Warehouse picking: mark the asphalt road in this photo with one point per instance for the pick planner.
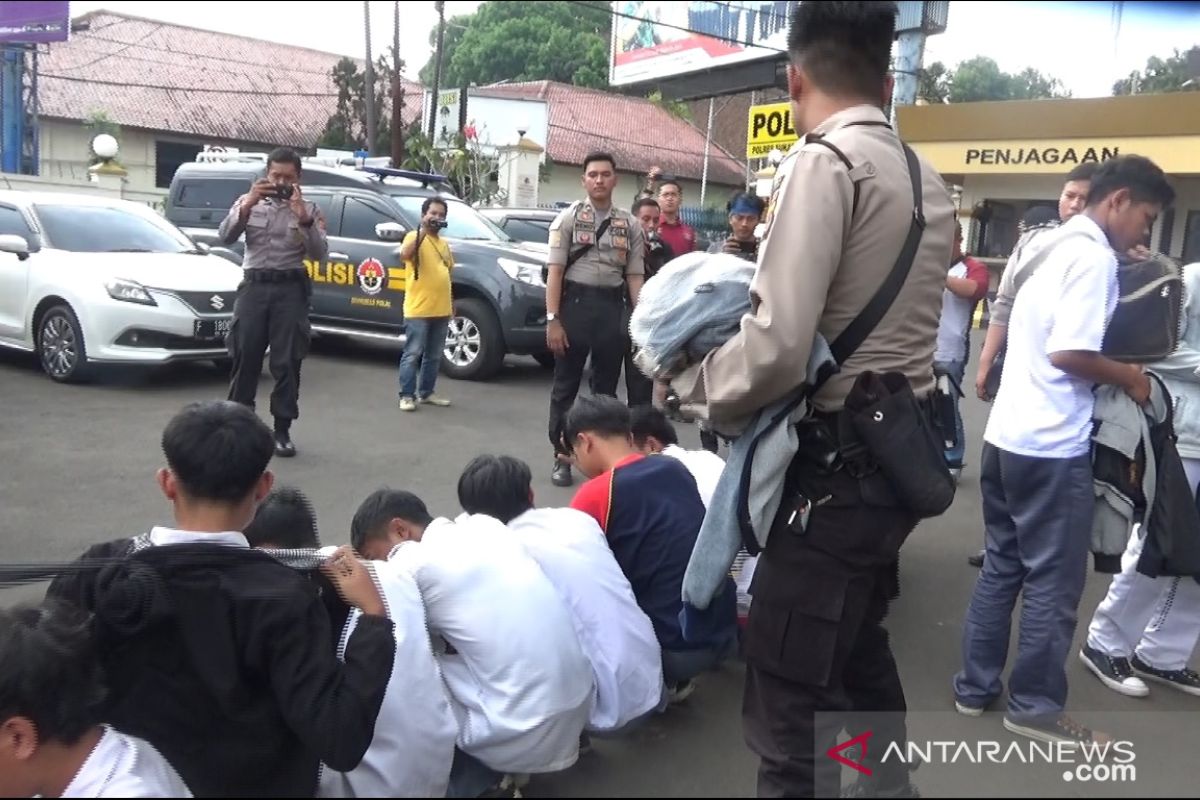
(77, 466)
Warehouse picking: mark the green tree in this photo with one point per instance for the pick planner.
(471, 173)
(981, 78)
(508, 41)
(933, 83)
(346, 128)
(1179, 72)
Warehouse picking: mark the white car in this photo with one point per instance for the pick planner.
(88, 280)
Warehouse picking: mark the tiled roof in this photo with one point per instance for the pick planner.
(638, 133)
(148, 74)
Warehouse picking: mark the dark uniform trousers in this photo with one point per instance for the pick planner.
(591, 317)
(271, 310)
(639, 390)
(818, 658)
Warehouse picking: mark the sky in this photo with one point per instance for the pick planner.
(1079, 43)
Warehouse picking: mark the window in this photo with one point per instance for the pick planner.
(105, 229)
(168, 156)
(528, 230)
(1191, 238)
(325, 203)
(215, 194)
(462, 221)
(13, 224)
(359, 220)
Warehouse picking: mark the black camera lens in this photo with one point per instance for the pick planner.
(285, 191)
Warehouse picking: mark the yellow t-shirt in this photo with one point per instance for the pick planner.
(429, 295)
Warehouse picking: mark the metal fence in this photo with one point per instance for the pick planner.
(710, 224)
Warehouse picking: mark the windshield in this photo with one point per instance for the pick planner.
(462, 221)
(109, 229)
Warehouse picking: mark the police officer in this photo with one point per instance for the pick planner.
(282, 229)
(639, 390)
(597, 254)
(814, 640)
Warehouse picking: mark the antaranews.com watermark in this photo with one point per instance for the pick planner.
(1147, 754)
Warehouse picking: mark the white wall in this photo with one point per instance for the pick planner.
(65, 151)
(107, 186)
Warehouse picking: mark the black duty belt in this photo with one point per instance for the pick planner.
(604, 292)
(261, 275)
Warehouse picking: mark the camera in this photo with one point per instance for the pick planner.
(437, 224)
(284, 191)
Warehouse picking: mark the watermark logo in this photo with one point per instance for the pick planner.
(1087, 762)
(858, 746)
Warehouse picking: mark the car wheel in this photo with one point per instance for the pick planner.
(546, 359)
(474, 347)
(61, 348)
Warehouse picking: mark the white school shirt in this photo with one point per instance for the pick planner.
(616, 635)
(413, 747)
(1066, 304)
(706, 469)
(519, 683)
(125, 766)
(955, 322)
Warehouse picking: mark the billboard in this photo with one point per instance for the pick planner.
(34, 21)
(664, 38)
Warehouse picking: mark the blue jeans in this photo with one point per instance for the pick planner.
(426, 340)
(1038, 513)
(954, 455)
(470, 777)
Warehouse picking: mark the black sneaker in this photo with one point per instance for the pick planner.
(1185, 680)
(976, 560)
(283, 446)
(1114, 672)
(562, 474)
(1056, 729)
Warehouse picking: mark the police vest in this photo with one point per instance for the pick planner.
(586, 232)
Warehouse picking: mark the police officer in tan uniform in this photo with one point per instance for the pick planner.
(597, 255)
(815, 641)
(282, 229)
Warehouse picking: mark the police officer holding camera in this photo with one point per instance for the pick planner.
(282, 229)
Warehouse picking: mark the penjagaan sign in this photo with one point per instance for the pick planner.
(769, 128)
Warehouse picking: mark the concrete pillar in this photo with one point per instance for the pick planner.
(519, 164)
(109, 176)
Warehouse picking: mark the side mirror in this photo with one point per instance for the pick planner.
(390, 231)
(17, 245)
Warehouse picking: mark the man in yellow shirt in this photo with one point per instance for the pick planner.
(428, 307)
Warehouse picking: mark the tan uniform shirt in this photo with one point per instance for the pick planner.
(274, 237)
(818, 267)
(620, 252)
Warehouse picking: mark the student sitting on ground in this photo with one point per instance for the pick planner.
(413, 746)
(217, 654)
(52, 743)
(654, 433)
(569, 546)
(519, 683)
(651, 511)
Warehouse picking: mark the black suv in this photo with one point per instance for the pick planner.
(499, 297)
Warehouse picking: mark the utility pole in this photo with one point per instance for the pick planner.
(369, 89)
(437, 70)
(397, 96)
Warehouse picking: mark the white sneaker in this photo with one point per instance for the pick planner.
(968, 711)
(434, 400)
(408, 404)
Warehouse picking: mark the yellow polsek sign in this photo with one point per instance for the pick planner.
(770, 128)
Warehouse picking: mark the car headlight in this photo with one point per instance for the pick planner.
(129, 292)
(522, 271)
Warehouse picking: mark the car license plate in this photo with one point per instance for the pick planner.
(213, 329)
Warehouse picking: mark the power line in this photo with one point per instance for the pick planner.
(650, 145)
(109, 55)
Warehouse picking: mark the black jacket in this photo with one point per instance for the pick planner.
(1172, 546)
(220, 657)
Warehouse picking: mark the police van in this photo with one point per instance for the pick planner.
(499, 296)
